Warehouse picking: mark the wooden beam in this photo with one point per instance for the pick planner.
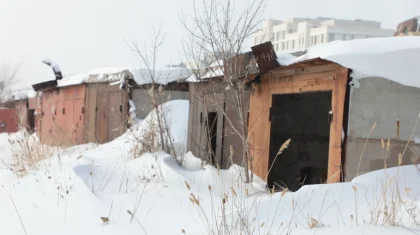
(338, 99)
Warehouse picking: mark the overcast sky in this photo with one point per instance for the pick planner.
(84, 34)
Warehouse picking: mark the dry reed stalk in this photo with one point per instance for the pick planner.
(282, 148)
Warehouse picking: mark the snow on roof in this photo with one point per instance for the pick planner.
(140, 76)
(393, 58)
(217, 63)
(218, 72)
(161, 76)
(284, 58)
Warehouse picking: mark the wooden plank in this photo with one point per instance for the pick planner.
(258, 130)
(102, 118)
(338, 99)
(192, 114)
(305, 70)
(114, 114)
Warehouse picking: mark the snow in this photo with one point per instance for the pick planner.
(394, 58)
(192, 78)
(283, 58)
(132, 112)
(115, 74)
(418, 24)
(161, 76)
(70, 191)
(175, 117)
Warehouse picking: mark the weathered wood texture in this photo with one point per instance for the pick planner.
(321, 77)
(106, 112)
(211, 96)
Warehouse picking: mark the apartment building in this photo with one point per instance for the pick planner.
(300, 33)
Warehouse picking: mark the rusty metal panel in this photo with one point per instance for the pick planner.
(58, 122)
(266, 56)
(8, 120)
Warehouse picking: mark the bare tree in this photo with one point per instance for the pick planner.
(148, 57)
(8, 77)
(218, 28)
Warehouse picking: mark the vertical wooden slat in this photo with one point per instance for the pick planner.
(338, 99)
(258, 131)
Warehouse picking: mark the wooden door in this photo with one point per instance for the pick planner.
(110, 116)
(115, 124)
(102, 118)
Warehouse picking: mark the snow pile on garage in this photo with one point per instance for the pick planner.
(117, 74)
(393, 58)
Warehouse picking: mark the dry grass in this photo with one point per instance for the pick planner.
(28, 153)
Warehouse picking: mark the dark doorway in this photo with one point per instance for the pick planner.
(31, 120)
(305, 118)
(211, 128)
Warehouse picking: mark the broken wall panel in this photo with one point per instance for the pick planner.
(211, 96)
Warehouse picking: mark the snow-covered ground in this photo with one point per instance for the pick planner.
(79, 189)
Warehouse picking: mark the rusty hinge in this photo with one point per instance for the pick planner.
(269, 114)
(121, 108)
(201, 117)
(83, 110)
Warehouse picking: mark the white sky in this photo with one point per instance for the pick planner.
(84, 34)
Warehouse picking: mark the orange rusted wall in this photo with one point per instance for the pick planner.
(62, 116)
(8, 120)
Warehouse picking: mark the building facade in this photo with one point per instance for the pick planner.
(300, 33)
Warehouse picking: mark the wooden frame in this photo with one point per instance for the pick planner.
(325, 77)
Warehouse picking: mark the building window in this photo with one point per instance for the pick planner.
(293, 44)
(290, 31)
(282, 45)
(322, 38)
(352, 36)
(277, 35)
(315, 40)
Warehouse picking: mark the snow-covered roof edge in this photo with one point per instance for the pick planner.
(116, 75)
(393, 58)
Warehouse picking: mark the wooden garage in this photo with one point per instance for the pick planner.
(90, 112)
(304, 102)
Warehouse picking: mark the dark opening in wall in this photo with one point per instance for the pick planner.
(304, 118)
